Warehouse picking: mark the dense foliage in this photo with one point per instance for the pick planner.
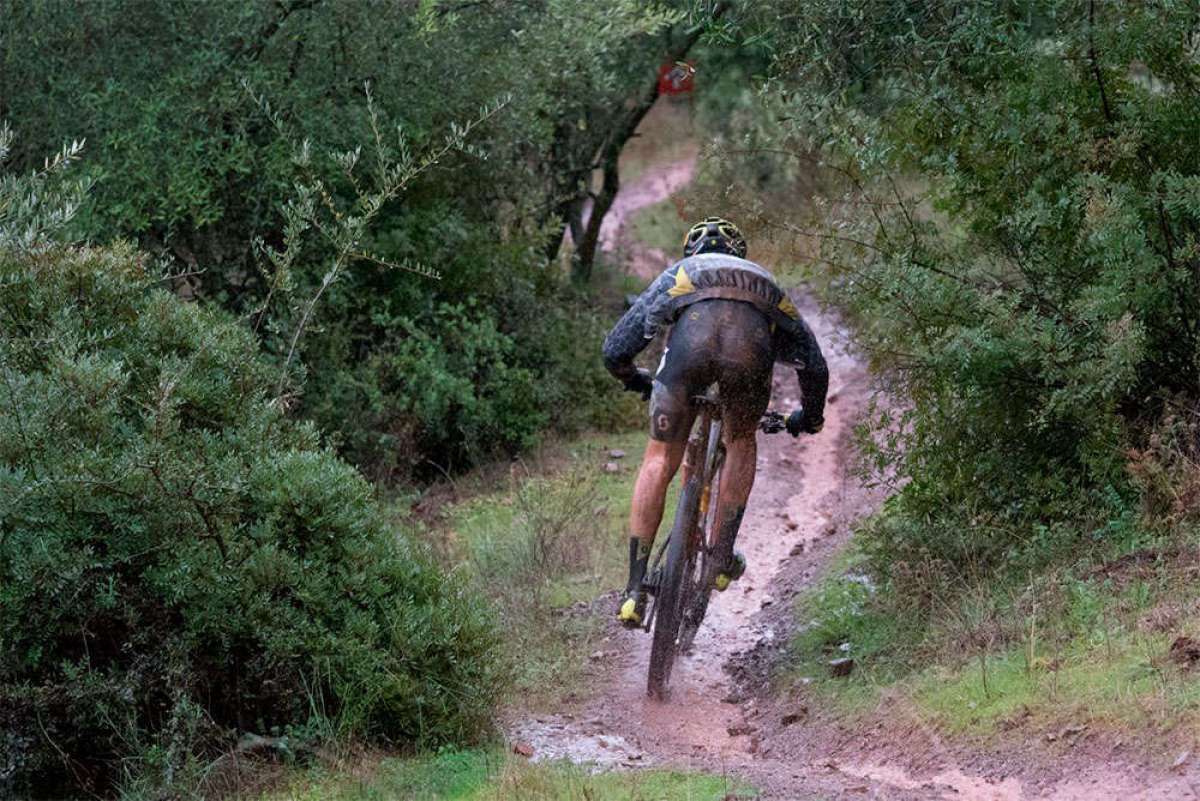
(179, 560)
(187, 162)
(1017, 234)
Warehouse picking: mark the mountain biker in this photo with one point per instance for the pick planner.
(729, 323)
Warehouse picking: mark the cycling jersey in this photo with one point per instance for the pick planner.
(705, 277)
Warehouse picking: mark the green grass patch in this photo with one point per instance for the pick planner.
(542, 544)
(839, 618)
(482, 775)
(1060, 650)
(659, 226)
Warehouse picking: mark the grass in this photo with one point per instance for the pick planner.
(1123, 686)
(1095, 653)
(490, 775)
(543, 543)
(840, 612)
(659, 226)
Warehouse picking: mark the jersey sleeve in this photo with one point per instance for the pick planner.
(628, 337)
(799, 348)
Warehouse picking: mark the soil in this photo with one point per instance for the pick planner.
(723, 715)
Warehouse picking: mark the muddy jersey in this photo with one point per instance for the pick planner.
(696, 279)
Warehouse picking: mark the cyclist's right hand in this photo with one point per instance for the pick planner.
(641, 382)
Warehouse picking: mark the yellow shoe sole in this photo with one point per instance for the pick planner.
(722, 582)
(629, 612)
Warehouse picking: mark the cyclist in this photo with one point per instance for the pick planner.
(729, 323)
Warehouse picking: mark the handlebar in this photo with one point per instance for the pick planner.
(772, 422)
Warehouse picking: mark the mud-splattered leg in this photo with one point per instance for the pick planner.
(737, 478)
(659, 465)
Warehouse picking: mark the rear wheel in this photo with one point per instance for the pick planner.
(700, 579)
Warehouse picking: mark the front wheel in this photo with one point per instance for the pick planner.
(675, 595)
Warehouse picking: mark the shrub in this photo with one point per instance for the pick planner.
(440, 376)
(1014, 231)
(179, 560)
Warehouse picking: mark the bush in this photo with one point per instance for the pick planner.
(188, 163)
(438, 377)
(1014, 231)
(180, 561)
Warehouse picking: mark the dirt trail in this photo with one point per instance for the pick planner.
(792, 519)
(799, 516)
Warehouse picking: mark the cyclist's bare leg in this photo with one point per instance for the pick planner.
(659, 465)
(737, 479)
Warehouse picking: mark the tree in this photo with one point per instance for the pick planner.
(1014, 224)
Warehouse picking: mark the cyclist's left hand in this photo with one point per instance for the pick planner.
(642, 382)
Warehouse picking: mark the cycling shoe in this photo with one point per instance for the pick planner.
(632, 610)
(732, 572)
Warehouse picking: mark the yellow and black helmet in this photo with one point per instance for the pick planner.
(714, 235)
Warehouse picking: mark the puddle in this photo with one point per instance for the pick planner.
(557, 739)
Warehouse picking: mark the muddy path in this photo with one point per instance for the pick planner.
(657, 183)
(723, 716)
(796, 518)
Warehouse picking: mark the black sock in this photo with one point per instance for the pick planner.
(728, 535)
(639, 556)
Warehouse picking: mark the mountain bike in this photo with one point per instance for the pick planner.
(684, 568)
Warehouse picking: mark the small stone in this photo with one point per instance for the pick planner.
(597, 655)
(741, 730)
(1181, 760)
(831, 398)
(797, 549)
(523, 749)
(612, 467)
(791, 524)
(830, 530)
(841, 667)
(767, 601)
(1185, 651)
(616, 453)
(794, 717)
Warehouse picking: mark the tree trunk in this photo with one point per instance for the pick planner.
(586, 244)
